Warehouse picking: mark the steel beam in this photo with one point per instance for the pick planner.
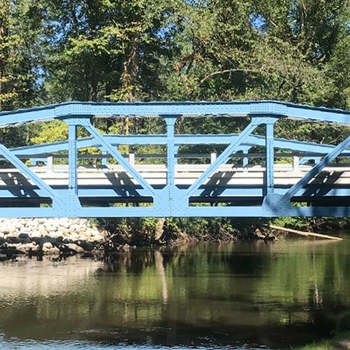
(317, 168)
(269, 150)
(170, 122)
(114, 140)
(224, 156)
(85, 122)
(49, 192)
(238, 109)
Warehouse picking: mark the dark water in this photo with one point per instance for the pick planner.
(228, 296)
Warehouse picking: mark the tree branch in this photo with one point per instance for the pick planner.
(211, 75)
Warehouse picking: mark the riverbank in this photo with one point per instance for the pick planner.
(56, 236)
(101, 239)
(339, 342)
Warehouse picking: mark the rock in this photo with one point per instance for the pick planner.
(3, 257)
(34, 235)
(73, 237)
(258, 234)
(21, 249)
(65, 224)
(97, 239)
(75, 248)
(47, 245)
(42, 230)
(33, 246)
(126, 247)
(11, 229)
(48, 239)
(65, 231)
(24, 240)
(11, 239)
(47, 225)
(85, 245)
(271, 237)
(84, 237)
(53, 234)
(54, 231)
(51, 251)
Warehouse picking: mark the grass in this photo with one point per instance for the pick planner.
(339, 342)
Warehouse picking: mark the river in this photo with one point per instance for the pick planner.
(247, 295)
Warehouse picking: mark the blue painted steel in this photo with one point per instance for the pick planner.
(72, 156)
(170, 123)
(175, 193)
(114, 140)
(269, 175)
(49, 192)
(224, 156)
(117, 155)
(317, 168)
(107, 109)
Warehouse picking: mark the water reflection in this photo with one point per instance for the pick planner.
(243, 295)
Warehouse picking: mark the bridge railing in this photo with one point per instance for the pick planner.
(293, 160)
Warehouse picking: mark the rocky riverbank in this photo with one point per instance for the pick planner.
(64, 237)
(58, 236)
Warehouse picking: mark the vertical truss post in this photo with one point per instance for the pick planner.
(170, 123)
(72, 157)
(269, 150)
(72, 199)
(176, 150)
(245, 158)
(105, 159)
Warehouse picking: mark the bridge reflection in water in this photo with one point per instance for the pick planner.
(243, 180)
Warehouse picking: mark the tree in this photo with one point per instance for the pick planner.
(20, 26)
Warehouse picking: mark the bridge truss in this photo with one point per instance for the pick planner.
(71, 178)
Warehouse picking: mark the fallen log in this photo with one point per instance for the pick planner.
(319, 235)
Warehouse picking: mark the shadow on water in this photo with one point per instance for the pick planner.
(250, 294)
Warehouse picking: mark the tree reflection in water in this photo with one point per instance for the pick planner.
(274, 295)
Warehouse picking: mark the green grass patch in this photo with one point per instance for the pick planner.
(339, 342)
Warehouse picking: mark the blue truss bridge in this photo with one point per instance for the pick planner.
(97, 175)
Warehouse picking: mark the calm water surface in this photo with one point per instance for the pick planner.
(228, 296)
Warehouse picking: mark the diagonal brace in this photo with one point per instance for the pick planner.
(224, 156)
(117, 155)
(29, 173)
(317, 168)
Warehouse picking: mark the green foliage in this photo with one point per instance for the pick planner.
(298, 223)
